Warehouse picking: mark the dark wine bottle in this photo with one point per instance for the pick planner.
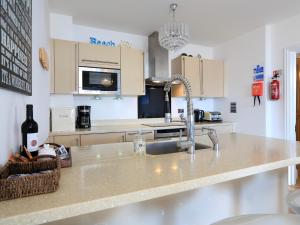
(30, 133)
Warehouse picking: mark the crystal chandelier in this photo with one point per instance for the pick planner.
(174, 35)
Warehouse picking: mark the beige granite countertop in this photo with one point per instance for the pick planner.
(131, 127)
(111, 175)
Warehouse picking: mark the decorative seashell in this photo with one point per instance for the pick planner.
(44, 58)
(125, 44)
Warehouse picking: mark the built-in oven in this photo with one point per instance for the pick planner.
(99, 81)
(169, 133)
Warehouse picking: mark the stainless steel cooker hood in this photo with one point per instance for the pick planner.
(159, 72)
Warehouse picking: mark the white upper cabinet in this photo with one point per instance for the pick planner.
(63, 67)
(67, 56)
(98, 56)
(205, 76)
(212, 78)
(132, 72)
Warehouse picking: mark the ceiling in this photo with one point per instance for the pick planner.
(211, 21)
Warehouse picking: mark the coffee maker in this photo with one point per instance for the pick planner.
(199, 115)
(83, 116)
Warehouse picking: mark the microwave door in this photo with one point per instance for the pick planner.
(99, 81)
(108, 82)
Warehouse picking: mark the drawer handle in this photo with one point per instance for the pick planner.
(132, 133)
(201, 78)
(98, 61)
(143, 132)
(147, 132)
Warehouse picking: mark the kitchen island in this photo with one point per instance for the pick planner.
(111, 175)
(136, 126)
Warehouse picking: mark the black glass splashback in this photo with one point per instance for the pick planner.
(152, 105)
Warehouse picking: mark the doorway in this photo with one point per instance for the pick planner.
(290, 102)
(297, 126)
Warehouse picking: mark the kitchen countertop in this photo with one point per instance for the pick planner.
(130, 127)
(111, 175)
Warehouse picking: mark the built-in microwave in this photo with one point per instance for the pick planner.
(99, 81)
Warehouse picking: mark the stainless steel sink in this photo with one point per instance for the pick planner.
(159, 148)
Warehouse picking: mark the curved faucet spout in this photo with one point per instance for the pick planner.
(190, 143)
(187, 87)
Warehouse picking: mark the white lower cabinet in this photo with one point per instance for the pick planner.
(147, 135)
(50, 139)
(220, 128)
(117, 137)
(67, 140)
(105, 138)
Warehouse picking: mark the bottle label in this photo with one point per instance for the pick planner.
(32, 142)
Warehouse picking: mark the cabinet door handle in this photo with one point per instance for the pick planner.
(123, 138)
(183, 71)
(143, 91)
(76, 67)
(132, 133)
(99, 61)
(201, 78)
(144, 82)
(183, 66)
(147, 132)
(143, 132)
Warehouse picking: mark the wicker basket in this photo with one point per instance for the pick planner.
(63, 162)
(67, 162)
(29, 185)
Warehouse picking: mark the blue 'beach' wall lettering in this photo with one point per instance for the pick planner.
(95, 41)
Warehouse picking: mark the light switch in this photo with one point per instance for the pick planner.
(180, 110)
(233, 107)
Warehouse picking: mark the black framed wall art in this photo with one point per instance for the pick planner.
(16, 45)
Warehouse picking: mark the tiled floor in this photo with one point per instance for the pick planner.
(297, 186)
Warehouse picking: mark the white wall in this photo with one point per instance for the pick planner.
(240, 56)
(13, 105)
(285, 34)
(107, 108)
(264, 46)
(191, 49)
(62, 27)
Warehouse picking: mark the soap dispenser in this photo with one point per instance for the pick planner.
(168, 117)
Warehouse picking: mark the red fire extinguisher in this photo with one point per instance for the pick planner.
(274, 87)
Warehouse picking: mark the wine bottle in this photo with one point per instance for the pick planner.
(30, 133)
